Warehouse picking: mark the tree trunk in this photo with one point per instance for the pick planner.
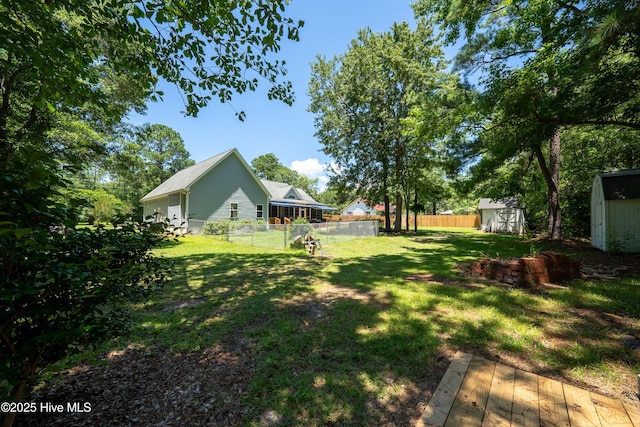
(399, 180)
(415, 210)
(29, 373)
(397, 227)
(551, 175)
(385, 191)
(387, 212)
(408, 212)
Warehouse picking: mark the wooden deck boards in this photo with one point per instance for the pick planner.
(475, 392)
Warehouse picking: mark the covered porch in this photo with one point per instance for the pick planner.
(284, 212)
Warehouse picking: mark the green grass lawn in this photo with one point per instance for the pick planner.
(362, 335)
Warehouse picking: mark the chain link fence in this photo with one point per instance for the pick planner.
(285, 236)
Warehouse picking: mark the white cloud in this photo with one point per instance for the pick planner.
(310, 167)
(313, 169)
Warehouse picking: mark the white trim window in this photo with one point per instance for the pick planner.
(259, 212)
(233, 210)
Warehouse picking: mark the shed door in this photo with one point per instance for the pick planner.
(598, 230)
(173, 213)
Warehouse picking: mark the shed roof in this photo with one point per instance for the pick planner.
(487, 203)
(621, 185)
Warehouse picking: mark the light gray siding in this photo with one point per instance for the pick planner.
(229, 182)
(503, 220)
(358, 208)
(159, 205)
(623, 222)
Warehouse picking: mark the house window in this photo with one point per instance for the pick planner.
(233, 210)
(259, 211)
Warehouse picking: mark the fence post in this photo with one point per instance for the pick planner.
(285, 236)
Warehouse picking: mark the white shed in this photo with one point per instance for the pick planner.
(501, 216)
(615, 211)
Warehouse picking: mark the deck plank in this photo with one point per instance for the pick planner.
(553, 407)
(470, 403)
(634, 414)
(435, 415)
(611, 412)
(477, 393)
(582, 411)
(525, 411)
(498, 412)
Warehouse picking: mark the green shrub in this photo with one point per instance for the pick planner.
(61, 288)
(215, 228)
(260, 225)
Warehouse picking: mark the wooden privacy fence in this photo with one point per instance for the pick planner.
(462, 221)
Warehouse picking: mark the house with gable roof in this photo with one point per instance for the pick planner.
(225, 187)
(359, 207)
(290, 202)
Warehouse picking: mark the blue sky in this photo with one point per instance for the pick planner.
(272, 126)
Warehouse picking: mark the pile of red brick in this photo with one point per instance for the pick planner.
(547, 267)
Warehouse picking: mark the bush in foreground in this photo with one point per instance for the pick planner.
(62, 288)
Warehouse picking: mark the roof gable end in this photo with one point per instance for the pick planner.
(184, 179)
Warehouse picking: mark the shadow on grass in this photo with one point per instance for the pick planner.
(272, 338)
(317, 358)
(558, 332)
(346, 340)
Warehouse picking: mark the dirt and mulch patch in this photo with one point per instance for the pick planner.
(141, 386)
(595, 263)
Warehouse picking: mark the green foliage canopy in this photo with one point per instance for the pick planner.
(61, 288)
(543, 66)
(362, 102)
(101, 59)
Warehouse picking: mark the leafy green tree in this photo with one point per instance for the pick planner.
(362, 101)
(70, 70)
(544, 65)
(163, 152)
(67, 55)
